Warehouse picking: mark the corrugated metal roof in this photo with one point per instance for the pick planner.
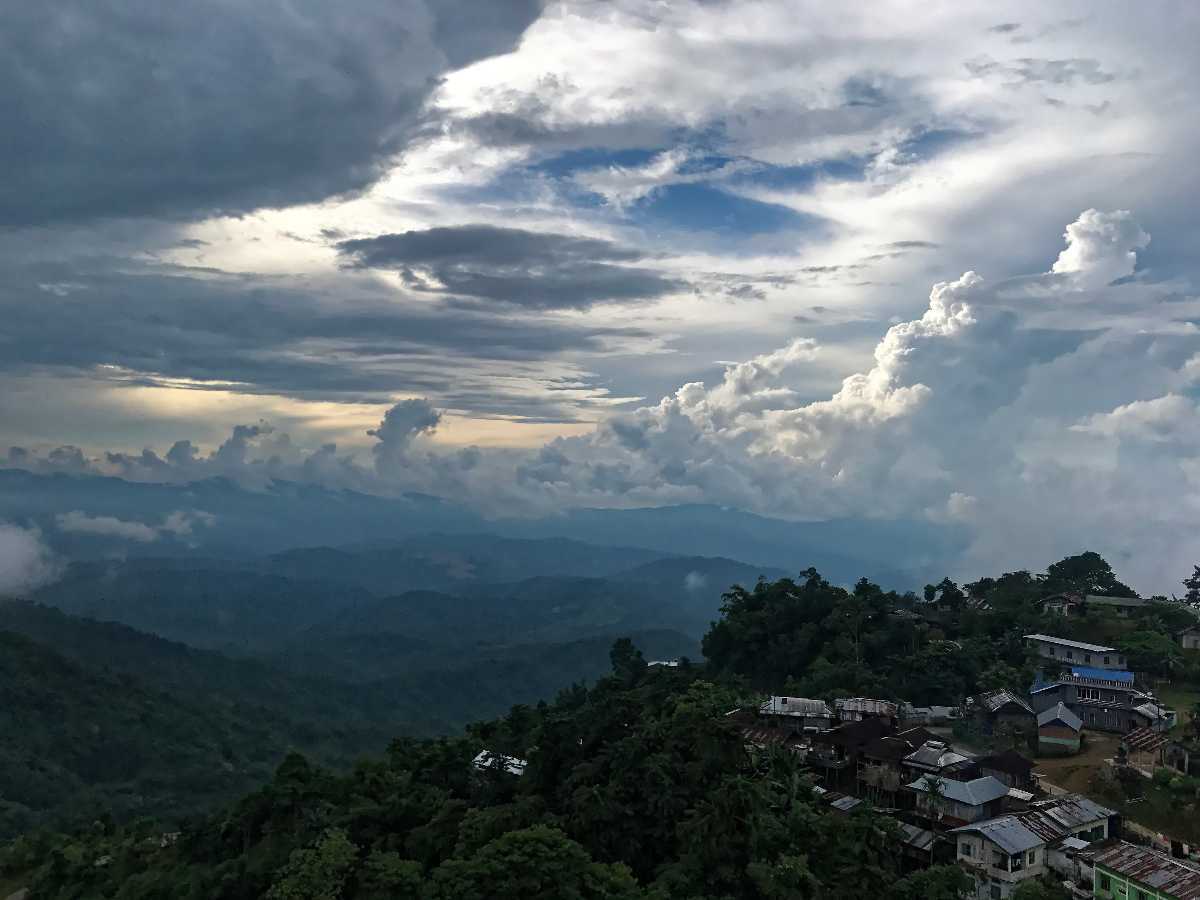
(1060, 713)
(917, 838)
(796, 706)
(1154, 869)
(994, 700)
(486, 759)
(845, 804)
(973, 793)
(1063, 642)
(1043, 823)
(934, 755)
(1153, 711)
(896, 746)
(1008, 833)
(866, 705)
(1102, 674)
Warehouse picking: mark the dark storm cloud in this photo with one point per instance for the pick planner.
(512, 266)
(343, 339)
(135, 107)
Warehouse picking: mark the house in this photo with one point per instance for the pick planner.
(855, 709)
(487, 761)
(921, 848)
(1104, 700)
(1061, 604)
(932, 758)
(881, 773)
(1058, 731)
(836, 752)
(1125, 607)
(663, 663)
(1002, 852)
(1010, 767)
(1057, 653)
(1189, 638)
(955, 803)
(999, 711)
(1126, 871)
(797, 713)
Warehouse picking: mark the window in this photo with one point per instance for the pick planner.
(1087, 657)
(1070, 654)
(1105, 884)
(995, 892)
(1032, 857)
(964, 849)
(1107, 660)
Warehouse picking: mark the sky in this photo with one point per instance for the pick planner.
(928, 261)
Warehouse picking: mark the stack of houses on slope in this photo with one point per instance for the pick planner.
(1091, 682)
(987, 813)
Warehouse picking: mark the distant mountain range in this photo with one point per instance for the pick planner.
(900, 554)
(198, 632)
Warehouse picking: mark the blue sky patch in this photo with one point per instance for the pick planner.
(701, 207)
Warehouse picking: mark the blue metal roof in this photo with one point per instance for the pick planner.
(1108, 674)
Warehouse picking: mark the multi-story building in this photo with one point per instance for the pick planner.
(1003, 852)
(1103, 700)
(1058, 653)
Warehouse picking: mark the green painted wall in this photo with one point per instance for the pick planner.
(1122, 888)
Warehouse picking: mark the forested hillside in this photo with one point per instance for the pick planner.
(639, 786)
(102, 720)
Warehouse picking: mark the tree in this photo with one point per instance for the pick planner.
(1037, 889)
(628, 664)
(1087, 573)
(1193, 586)
(539, 863)
(945, 594)
(935, 883)
(788, 878)
(318, 872)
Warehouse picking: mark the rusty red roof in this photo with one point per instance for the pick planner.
(1164, 873)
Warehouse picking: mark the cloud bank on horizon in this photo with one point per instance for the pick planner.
(489, 243)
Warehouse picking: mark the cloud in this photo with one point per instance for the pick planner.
(115, 108)
(1101, 247)
(25, 562)
(513, 266)
(1167, 419)
(344, 336)
(179, 523)
(400, 426)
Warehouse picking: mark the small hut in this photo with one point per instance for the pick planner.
(1058, 731)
